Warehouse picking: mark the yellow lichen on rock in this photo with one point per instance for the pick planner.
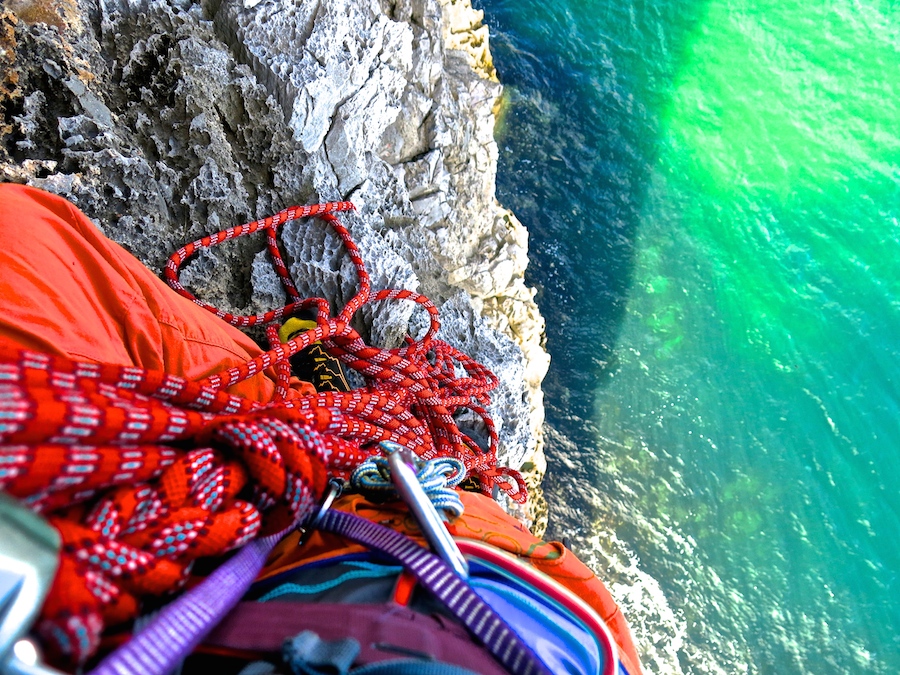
(62, 14)
(464, 30)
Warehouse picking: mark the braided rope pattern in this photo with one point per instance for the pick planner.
(411, 392)
(97, 450)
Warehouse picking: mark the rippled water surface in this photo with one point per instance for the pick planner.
(713, 195)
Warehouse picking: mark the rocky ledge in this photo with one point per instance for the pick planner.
(165, 120)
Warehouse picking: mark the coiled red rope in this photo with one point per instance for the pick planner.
(404, 386)
(144, 473)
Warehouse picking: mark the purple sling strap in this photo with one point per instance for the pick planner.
(182, 625)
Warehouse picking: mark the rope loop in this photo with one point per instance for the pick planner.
(437, 477)
(412, 392)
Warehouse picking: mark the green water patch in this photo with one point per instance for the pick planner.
(577, 142)
(729, 169)
(784, 119)
(775, 460)
(804, 276)
(786, 96)
(758, 365)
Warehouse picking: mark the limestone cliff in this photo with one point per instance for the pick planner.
(164, 120)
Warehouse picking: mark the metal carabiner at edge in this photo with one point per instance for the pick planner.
(332, 492)
(29, 558)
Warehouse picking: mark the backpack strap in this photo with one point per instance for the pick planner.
(446, 585)
(410, 667)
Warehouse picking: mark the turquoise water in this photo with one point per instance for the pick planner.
(713, 195)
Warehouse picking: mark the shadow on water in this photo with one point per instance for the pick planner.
(729, 475)
(577, 138)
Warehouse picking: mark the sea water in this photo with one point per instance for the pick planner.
(713, 195)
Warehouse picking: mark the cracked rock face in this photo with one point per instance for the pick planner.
(165, 120)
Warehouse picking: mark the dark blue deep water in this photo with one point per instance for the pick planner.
(713, 194)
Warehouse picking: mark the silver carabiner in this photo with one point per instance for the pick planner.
(332, 492)
(29, 557)
(403, 474)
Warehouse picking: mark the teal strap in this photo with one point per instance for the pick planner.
(258, 668)
(411, 667)
(366, 571)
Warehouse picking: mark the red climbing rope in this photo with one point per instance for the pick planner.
(405, 386)
(143, 472)
(100, 450)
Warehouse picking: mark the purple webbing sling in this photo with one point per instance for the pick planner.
(182, 625)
